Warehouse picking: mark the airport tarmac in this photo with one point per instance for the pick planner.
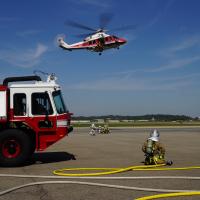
(121, 148)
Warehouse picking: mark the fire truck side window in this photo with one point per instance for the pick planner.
(41, 104)
(19, 104)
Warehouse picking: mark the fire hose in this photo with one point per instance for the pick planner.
(178, 194)
(61, 172)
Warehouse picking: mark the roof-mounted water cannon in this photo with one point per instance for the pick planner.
(51, 78)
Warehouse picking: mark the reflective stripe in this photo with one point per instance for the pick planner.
(61, 123)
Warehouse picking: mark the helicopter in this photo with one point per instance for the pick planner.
(97, 40)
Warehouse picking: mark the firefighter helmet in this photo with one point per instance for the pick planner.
(154, 135)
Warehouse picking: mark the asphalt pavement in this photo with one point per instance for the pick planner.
(121, 148)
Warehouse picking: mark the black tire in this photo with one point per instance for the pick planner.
(33, 144)
(32, 149)
(15, 148)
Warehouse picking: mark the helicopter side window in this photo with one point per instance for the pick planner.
(102, 40)
(90, 42)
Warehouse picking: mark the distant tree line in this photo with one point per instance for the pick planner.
(152, 117)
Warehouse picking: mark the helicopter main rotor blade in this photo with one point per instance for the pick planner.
(104, 19)
(124, 28)
(84, 35)
(78, 25)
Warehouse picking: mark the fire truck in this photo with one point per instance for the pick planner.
(33, 116)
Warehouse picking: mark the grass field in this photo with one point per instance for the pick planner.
(142, 124)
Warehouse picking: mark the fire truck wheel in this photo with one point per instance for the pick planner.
(15, 147)
(33, 144)
(32, 147)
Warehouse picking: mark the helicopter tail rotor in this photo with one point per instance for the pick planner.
(59, 38)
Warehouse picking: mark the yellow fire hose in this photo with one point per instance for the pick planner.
(107, 171)
(178, 194)
(62, 172)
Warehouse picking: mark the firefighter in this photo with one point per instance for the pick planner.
(106, 129)
(92, 129)
(99, 129)
(154, 150)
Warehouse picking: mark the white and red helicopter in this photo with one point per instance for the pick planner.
(97, 40)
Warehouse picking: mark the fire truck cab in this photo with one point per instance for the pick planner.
(33, 116)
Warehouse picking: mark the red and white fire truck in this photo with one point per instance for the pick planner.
(33, 116)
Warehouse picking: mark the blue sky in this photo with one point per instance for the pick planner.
(157, 71)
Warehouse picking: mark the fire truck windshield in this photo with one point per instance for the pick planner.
(58, 99)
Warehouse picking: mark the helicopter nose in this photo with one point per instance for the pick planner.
(123, 41)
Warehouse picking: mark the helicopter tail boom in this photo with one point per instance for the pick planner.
(63, 44)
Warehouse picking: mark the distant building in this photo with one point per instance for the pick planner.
(100, 121)
(80, 121)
